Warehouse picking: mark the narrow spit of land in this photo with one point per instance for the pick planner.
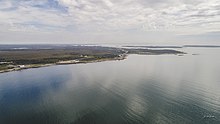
(18, 57)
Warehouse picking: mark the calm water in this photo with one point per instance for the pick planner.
(163, 89)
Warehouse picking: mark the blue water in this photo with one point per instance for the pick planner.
(153, 89)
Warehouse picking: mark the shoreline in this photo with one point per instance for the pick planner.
(67, 62)
(16, 60)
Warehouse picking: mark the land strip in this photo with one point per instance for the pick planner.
(17, 57)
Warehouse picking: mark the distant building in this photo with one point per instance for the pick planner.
(21, 66)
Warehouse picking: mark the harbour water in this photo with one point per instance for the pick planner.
(142, 89)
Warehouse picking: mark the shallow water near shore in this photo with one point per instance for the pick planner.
(149, 89)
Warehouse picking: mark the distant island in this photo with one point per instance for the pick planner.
(18, 57)
(208, 46)
(184, 46)
(155, 46)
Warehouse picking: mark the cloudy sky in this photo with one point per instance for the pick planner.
(109, 21)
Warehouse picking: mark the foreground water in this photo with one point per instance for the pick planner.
(163, 89)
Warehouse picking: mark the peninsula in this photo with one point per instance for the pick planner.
(18, 57)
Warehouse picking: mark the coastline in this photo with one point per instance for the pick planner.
(67, 62)
(15, 60)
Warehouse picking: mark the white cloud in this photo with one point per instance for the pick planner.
(110, 16)
(150, 14)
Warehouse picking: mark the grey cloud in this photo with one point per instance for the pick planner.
(124, 14)
(111, 15)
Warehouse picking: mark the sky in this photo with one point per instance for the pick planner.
(110, 21)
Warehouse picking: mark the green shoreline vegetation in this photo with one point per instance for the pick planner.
(12, 59)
